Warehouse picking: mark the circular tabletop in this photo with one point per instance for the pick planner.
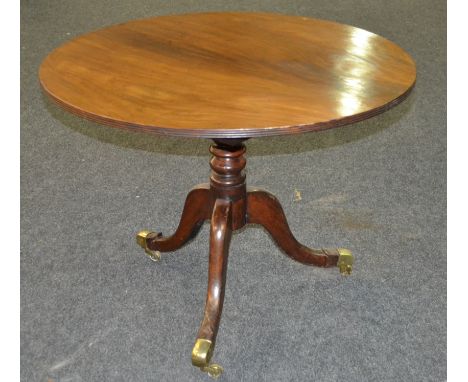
(227, 75)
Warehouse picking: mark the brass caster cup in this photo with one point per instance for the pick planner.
(141, 239)
(201, 356)
(345, 261)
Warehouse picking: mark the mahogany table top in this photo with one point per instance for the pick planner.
(226, 75)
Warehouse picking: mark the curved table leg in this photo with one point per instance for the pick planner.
(263, 208)
(220, 237)
(197, 209)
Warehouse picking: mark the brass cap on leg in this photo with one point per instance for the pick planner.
(201, 356)
(202, 352)
(141, 239)
(345, 261)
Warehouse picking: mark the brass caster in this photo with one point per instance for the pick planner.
(213, 370)
(345, 261)
(141, 239)
(201, 356)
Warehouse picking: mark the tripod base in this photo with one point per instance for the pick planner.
(229, 206)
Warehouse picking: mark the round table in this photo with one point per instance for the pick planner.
(229, 77)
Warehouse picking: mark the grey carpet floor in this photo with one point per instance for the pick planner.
(94, 308)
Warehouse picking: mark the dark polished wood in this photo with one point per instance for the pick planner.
(220, 75)
(263, 208)
(220, 238)
(198, 208)
(230, 206)
(228, 178)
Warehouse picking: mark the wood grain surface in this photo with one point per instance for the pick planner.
(227, 75)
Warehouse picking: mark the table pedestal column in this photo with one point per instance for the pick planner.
(229, 205)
